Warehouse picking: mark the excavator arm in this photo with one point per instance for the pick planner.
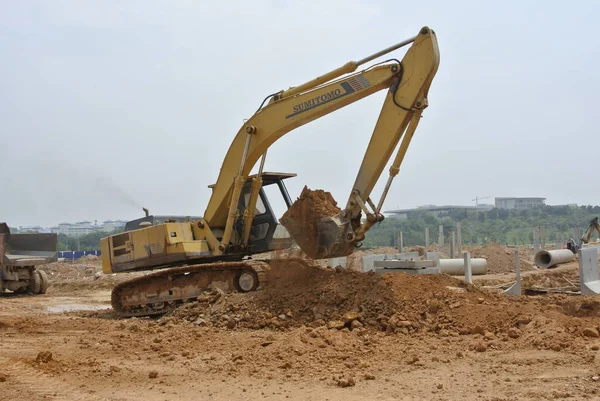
(407, 82)
(593, 227)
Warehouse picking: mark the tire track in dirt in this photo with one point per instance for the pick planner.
(40, 384)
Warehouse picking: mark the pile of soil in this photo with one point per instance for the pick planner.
(315, 296)
(76, 270)
(499, 258)
(83, 274)
(414, 305)
(302, 218)
(419, 249)
(553, 279)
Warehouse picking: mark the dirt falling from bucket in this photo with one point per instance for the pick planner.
(302, 218)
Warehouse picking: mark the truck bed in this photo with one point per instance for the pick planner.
(26, 249)
(28, 259)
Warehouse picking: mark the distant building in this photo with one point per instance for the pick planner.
(569, 205)
(76, 229)
(437, 211)
(112, 225)
(37, 229)
(519, 203)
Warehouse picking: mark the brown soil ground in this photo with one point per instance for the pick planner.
(314, 334)
(500, 259)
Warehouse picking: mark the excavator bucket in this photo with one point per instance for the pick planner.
(318, 226)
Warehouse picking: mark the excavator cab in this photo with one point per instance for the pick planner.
(266, 233)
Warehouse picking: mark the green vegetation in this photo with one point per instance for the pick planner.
(87, 242)
(496, 225)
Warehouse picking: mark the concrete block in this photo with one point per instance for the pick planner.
(401, 242)
(403, 264)
(589, 276)
(543, 237)
(368, 260)
(426, 270)
(459, 238)
(515, 289)
(335, 262)
(435, 256)
(468, 271)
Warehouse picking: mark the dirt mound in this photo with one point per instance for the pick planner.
(316, 296)
(419, 249)
(71, 270)
(499, 258)
(341, 299)
(553, 279)
(81, 275)
(302, 218)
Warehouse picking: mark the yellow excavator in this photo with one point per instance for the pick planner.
(594, 226)
(215, 250)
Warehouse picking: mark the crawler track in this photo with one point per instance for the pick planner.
(164, 291)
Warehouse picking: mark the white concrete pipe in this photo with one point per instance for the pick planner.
(456, 267)
(546, 259)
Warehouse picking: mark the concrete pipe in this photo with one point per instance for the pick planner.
(546, 259)
(456, 267)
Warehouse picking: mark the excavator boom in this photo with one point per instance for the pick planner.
(407, 82)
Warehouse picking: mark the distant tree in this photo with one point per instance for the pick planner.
(480, 227)
(458, 215)
(86, 242)
(492, 214)
(430, 220)
(503, 214)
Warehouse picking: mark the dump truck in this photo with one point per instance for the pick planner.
(21, 255)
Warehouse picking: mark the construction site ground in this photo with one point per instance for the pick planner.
(317, 335)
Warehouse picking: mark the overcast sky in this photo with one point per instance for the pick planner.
(108, 106)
